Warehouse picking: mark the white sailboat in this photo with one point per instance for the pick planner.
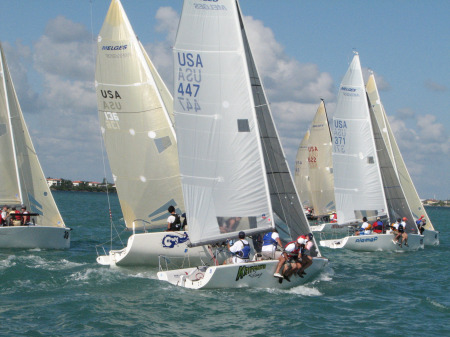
(301, 173)
(320, 172)
(135, 112)
(23, 182)
(431, 236)
(366, 184)
(231, 160)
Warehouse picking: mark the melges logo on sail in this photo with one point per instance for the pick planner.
(122, 47)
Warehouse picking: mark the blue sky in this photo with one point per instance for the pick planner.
(302, 49)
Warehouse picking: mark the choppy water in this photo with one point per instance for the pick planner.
(66, 293)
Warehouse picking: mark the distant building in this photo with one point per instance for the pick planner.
(94, 184)
(77, 183)
(53, 182)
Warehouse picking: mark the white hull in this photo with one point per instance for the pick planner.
(252, 274)
(29, 237)
(144, 249)
(374, 242)
(431, 238)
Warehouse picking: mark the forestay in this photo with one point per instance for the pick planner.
(320, 163)
(221, 162)
(134, 107)
(357, 179)
(23, 181)
(406, 182)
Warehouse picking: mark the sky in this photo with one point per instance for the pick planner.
(302, 50)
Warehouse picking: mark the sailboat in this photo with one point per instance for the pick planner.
(301, 173)
(431, 236)
(365, 181)
(320, 171)
(136, 116)
(231, 160)
(23, 182)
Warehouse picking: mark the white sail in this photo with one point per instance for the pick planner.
(357, 179)
(320, 164)
(22, 176)
(301, 175)
(134, 111)
(221, 160)
(406, 182)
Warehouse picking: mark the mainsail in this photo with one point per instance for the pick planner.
(135, 111)
(406, 182)
(301, 175)
(23, 181)
(320, 164)
(357, 178)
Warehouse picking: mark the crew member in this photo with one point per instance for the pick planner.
(269, 248)
(292, 255)
(173, 221)
(240, 249)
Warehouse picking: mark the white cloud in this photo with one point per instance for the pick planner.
(433, 86)
(65, 50)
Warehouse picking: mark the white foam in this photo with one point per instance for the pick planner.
(8, 262)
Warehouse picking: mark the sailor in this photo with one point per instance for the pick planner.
(377, 226)
(173, 221)
(404, 234)
(333, 217)
(291, 255)
(421, 224)
(365, 228)
(269, 248)
(13, 219)
(25, 218)
(306, 255)
(240, 249)
(4, 215)
(400, 230)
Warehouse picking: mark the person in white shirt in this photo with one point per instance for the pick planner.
(240, 249)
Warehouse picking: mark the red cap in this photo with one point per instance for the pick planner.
(422, 216)
(404, 219)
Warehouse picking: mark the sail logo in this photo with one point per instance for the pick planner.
(123, 47)
(250, 271)
(367, 239)
(171, 240)
(110, 94)
(348, 89)
(340, 124)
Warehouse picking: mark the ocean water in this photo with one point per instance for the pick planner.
(66, 293)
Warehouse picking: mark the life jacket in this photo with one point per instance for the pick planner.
(268, 240)
(295, 252)
(244, 253)
(176, 224)
(400, 228)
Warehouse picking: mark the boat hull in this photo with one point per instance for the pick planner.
(374, 242)
(29, 237)
(431, 238)
(145, 249)
(258, 274)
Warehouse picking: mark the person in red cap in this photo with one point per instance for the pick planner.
(421, 224)
(292, 255)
